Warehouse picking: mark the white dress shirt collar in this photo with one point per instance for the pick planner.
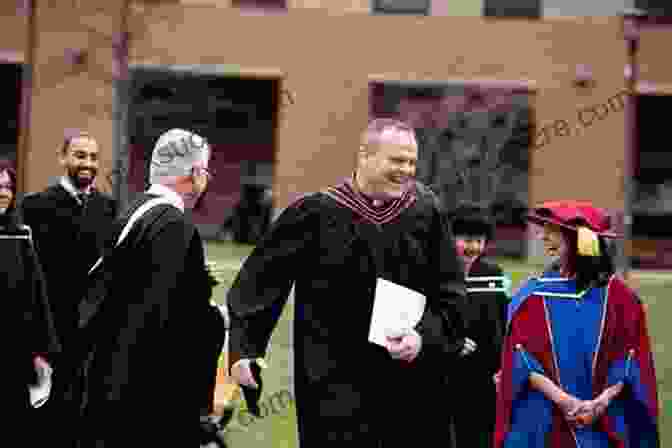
(162, 190)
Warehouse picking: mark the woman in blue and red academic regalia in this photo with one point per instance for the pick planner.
(577, 368)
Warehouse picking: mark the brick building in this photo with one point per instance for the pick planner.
(281, 87)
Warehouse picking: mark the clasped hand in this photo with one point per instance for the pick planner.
(583, 412)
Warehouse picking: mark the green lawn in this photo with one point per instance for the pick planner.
(279, 430)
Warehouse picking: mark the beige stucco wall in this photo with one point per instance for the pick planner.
(326, 59)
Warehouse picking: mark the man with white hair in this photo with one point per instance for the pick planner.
(144, 334)
(336, 245)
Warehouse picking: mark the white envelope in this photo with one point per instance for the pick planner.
(395, 309)
(39, 393)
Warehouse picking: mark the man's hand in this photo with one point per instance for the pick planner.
(242, 374)
(404, 345)
(469, 347)
(42, 367)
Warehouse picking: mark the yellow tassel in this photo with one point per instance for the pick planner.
(588, 244)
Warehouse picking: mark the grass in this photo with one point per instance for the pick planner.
(279, 430)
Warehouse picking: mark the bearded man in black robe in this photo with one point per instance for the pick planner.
(335, 245)
(70, 222)
(150, 335)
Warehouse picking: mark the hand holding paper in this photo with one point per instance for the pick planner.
(396, 311)
(39, 393)
(404, 345)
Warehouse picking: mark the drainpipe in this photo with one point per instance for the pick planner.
(120, 108)
(630, 29)
(28, 74)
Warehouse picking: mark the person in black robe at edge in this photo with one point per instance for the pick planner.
(32, 344)
(70, 222)
(487, 301)
(334, 245)
(251, 217)
(154, 337)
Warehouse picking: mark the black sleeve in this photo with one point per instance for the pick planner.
(442, 326)
(38, 317)
(496, 319)
(29, 212)
(261, 289)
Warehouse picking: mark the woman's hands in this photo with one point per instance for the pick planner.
(590, 411)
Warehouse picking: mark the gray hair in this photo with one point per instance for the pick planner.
(176, 153)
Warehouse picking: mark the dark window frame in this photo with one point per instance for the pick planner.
(499, 9)
(379, 9)
(274, 5)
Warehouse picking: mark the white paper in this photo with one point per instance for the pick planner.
(39, 394)
(396, 309)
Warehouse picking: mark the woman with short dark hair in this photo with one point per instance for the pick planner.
(485, 315)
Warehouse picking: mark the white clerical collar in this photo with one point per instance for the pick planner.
(66, 183)
(162, 190)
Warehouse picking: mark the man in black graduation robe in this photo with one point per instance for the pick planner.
(27, 322)
(147, 351)
(487, 301)
(335, 245)
(70, 222)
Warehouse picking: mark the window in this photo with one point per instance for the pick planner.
(653, 174)
(273, 5)
(657, 8)
(530, 9)
(416, 7)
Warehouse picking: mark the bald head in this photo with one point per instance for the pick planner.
(387, 131)
(387, 157)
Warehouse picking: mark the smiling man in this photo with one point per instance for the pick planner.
(70, 222)
(334, 245)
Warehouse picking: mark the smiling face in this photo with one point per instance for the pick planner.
(469, 248)
(555, 243)
(6, 191)
(193, 188)
(80, 161)
(387, 166)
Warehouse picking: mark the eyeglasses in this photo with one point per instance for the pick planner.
(208, 173)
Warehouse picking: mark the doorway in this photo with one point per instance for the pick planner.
(10, 109)
(652, 202)
(237, 115)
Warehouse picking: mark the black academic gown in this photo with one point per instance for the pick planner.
(471, 382)
(347, 389)
(68, 238)
(145, 362)
(28, 327)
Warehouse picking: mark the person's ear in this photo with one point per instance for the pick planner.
(61, 156)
